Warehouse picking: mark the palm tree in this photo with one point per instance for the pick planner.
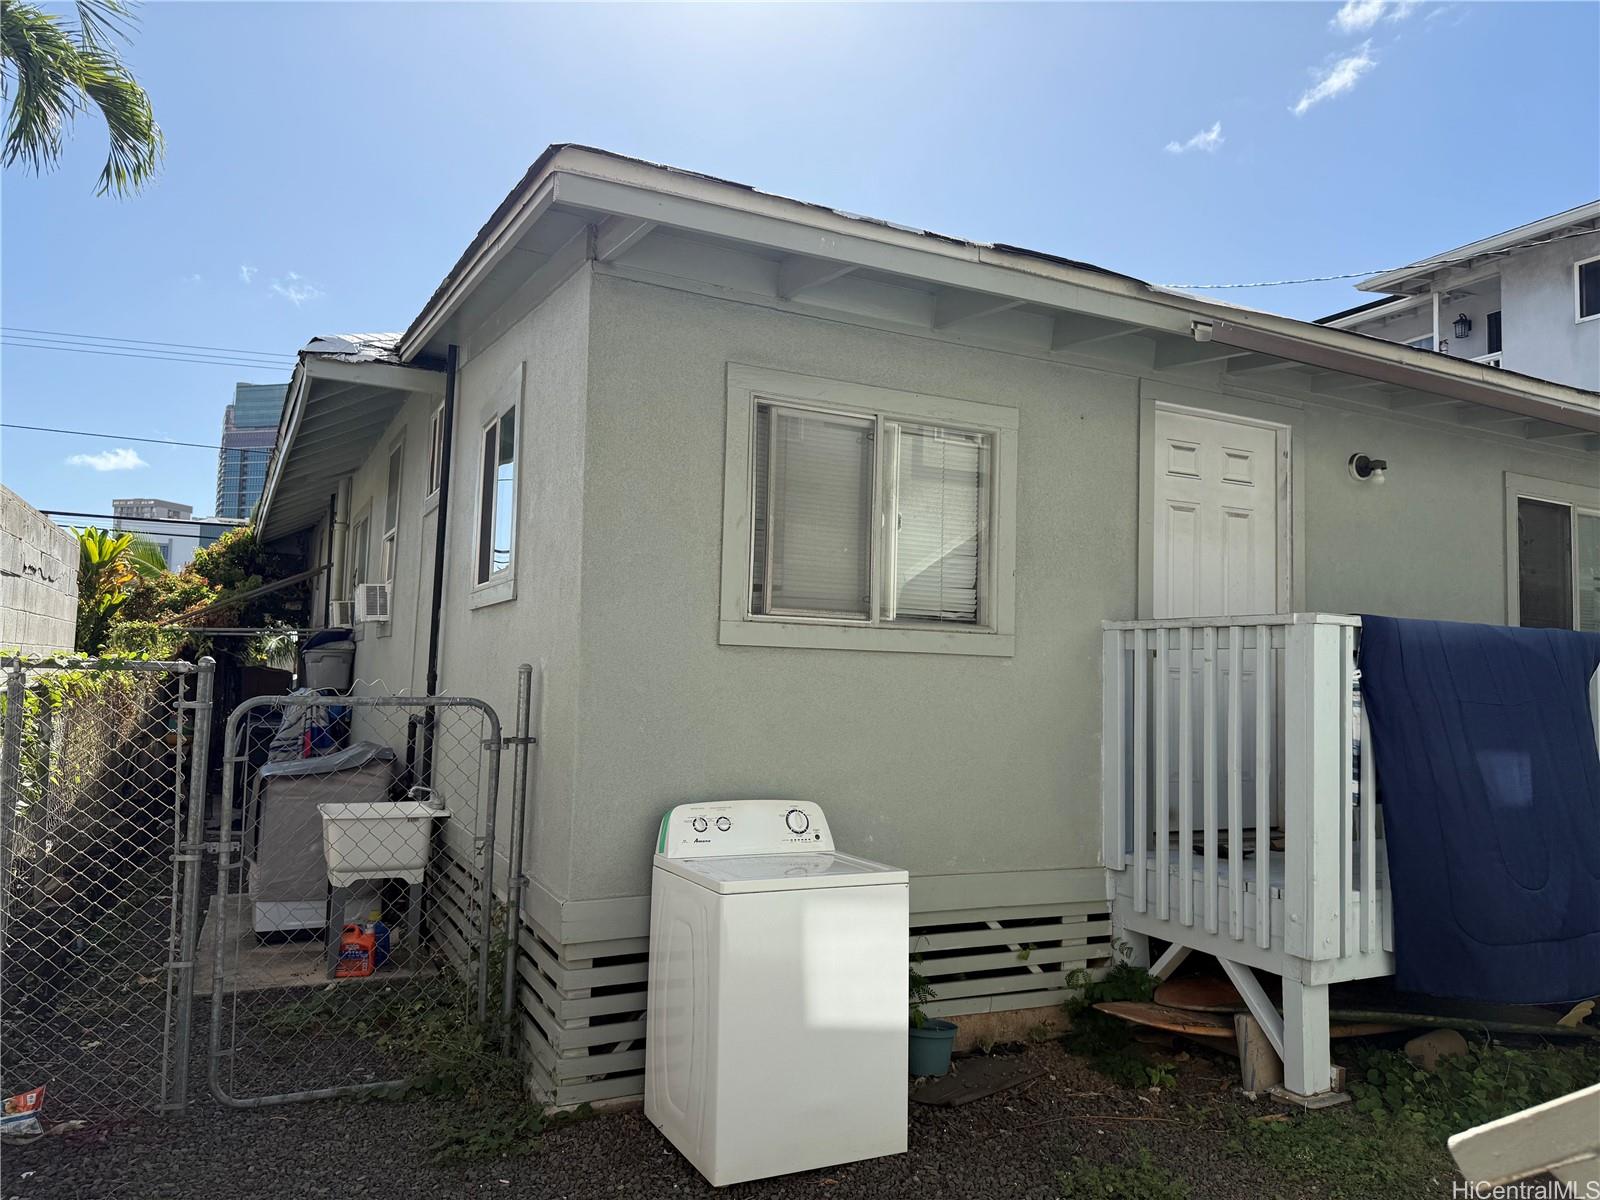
(52, 70)
(108, 562)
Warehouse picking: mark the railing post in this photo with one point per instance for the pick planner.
(1313, 792)
(1113, 751)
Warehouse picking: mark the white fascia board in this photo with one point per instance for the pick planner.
(1396, 306)
(507, 234)
(579, 179)
(1509, 240)
(379, 375)
(294, 410)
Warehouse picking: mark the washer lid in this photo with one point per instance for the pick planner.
(736, 873)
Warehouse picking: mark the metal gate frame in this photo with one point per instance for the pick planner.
(187, 821)
(230, 859)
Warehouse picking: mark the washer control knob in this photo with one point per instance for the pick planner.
(699, 824)
(724, 824)
(796, 820)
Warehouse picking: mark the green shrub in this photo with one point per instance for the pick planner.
(1106, 1041)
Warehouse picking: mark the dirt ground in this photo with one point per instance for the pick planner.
(1013, 1145)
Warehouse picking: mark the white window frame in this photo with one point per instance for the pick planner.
(1573, 496)
(1577, 292)
(501, 585)
(389, 542)
(360, 534)
(739, 626)
(435, 458)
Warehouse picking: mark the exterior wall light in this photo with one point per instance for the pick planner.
(1462, 326)
(1364, 469)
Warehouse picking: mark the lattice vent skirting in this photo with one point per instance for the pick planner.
(583, 1005)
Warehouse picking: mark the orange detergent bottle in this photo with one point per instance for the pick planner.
(357, 953)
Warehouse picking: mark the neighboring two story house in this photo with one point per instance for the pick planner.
(1527, 300)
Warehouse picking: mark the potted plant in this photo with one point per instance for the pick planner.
(931, 1038)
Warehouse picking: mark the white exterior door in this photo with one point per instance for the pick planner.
(1216, 517)
(1217, 554)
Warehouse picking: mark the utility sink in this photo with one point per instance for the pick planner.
(377, 840)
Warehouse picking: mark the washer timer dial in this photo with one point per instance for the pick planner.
(699, 824)
(796, 820)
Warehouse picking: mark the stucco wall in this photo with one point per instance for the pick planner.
(940, 763)
(482, 647)
(1541, 334)
(38, 580)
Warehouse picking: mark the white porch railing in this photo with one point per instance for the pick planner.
(1236, 794)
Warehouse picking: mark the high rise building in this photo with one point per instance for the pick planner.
(249, 429)
(171, 527)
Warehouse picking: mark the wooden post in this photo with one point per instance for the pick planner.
(1307, 1059)
(1260, 1067)
(1313, 792)
(1112, 749)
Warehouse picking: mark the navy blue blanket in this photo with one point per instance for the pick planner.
(1490, 784)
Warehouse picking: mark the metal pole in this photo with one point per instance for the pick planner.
(491, 800)
(10, 782)
(193, 850)
(516, 878)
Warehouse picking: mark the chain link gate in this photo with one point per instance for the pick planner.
(352, 928)
(102, 783)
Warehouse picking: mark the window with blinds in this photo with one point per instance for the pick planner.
(825, 484)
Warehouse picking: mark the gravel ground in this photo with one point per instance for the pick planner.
(1009, 1146)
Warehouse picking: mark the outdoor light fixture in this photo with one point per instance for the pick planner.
(1365, 469)
(1201, 330)
(1463, 325)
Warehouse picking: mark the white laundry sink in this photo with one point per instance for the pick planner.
(377, 840)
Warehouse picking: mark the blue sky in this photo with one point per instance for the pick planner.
(327, 163)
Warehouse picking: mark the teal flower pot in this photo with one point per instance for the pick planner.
(931, 1043)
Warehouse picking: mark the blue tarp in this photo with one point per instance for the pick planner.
(1489, 778)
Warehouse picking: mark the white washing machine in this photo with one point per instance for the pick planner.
(776, 1033)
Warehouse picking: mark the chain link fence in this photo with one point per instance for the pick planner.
(98, 763)
(351, 943)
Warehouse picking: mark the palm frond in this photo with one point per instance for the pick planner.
(50, 74)
(144, 558)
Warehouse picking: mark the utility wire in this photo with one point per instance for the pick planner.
(128, 437)
(96, 337)
(195, 359)
(1425, 265)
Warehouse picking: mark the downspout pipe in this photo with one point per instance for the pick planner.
(441, 527)
(341, 539)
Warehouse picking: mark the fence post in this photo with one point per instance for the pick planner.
(192, 852)
(10, 781)
(515, 878)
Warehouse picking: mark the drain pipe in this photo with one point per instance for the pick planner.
(442, 516)
(339, 560)
(516, 872)
(441, 530)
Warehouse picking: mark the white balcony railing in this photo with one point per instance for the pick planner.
(1236, 793)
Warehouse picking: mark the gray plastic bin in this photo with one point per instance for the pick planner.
(328, 666)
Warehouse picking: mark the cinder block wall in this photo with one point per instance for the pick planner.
(38, 580)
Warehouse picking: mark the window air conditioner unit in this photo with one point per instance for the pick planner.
(341, 613)
(372, 601)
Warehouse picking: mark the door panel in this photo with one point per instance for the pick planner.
(1217, 515)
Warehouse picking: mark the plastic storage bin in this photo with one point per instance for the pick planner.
(328, 666)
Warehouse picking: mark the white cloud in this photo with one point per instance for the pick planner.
(246, 274)
(1337, 79)
(296, 289)
(120, 459)
(1358, 16)
(1207, 140)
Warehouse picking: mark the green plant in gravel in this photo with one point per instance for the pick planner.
(1342, 1154)
(1484, 1084)
(1140, 1179)
(1107, 1042)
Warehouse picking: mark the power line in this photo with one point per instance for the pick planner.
(1425, 265)
(96, 337)
(128, 437)
(195, 359)
(62, 512)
